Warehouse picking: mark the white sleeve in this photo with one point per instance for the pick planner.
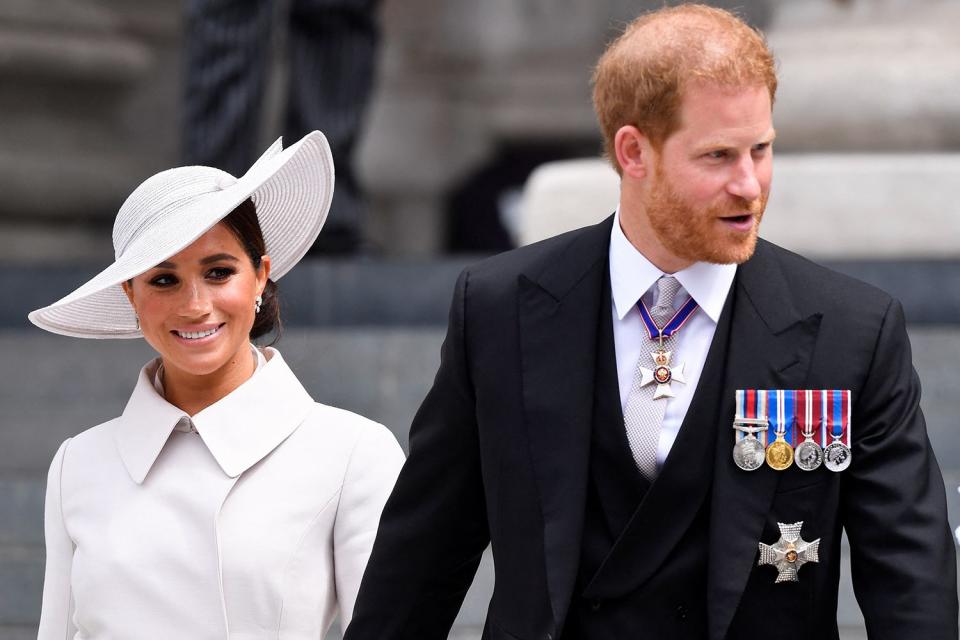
(56, 616)
(371, 474)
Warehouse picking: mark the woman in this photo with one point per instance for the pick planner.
(223, 502)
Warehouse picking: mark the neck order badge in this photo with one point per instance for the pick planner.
(662, 373)
(820, 417)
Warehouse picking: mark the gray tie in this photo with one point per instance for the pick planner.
(642, 414)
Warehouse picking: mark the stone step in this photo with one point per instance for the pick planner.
(866, 76)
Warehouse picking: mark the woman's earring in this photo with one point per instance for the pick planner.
(257, 303)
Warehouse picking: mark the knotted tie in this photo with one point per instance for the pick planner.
(642, 415)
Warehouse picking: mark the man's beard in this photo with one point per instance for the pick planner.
(695, 233)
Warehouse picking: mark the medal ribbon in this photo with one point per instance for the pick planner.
(676, 322)
(752, 404)
(811, 422)
(836, 408)
(782, 419)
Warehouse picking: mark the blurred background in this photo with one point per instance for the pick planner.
(460, 129)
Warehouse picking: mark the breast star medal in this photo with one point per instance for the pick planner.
(748, 453)
(663, 374)
(789, 553)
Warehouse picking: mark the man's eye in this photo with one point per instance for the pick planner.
(718, 155)
(760, 148)
(220, 273)
(163, 280)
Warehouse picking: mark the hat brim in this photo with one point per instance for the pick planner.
(292, 190)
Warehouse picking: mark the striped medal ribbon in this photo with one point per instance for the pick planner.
(835, 407)
(750, 429)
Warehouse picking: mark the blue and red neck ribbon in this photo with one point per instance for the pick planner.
(679, 319)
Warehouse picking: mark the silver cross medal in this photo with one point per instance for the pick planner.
(789, 553)
(663, 374)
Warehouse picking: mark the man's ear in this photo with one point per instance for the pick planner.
(633, 151)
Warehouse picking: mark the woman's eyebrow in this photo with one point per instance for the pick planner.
(218, 257)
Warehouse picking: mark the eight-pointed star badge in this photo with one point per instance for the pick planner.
(789, 553)
(663, 375)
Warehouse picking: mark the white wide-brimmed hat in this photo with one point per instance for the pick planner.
(291, 189)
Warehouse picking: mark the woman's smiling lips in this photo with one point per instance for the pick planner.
(200, 334)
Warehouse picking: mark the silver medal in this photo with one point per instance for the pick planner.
(836, 456)
(808, 455)
(748, 451)
(789, 553)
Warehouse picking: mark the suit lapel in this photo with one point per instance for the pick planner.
(771, 347)
(558, 318)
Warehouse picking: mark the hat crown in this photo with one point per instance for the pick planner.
(160, 197)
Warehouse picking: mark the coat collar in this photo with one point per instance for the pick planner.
(239, 430)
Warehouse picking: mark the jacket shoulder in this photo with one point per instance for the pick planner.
(817, 286)
(501, 271)
(95, 437)
(335, 428)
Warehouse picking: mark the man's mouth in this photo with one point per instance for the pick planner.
(742, 222)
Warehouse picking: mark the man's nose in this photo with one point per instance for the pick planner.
(745, 182)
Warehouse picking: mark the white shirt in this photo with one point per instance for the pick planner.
(632, 276)
(257, 526)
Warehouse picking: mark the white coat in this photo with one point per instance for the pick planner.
(257, 526)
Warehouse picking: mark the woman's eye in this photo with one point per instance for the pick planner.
(220, 273)
(163, 280)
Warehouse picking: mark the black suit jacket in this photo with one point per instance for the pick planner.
(499, 454)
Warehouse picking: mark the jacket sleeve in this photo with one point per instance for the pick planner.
(902, 556)
(371, 474)
(56, 616)
(434, 527)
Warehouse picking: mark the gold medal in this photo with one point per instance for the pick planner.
(779, 454)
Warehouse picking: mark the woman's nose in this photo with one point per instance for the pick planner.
(195, 300)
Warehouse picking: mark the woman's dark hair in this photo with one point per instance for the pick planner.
(243, 223)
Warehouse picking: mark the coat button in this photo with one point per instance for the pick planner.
(595, 605)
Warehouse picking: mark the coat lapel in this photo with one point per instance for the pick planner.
(558, 318)
(771, 347)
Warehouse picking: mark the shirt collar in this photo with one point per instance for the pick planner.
(239, 430)
(632, 275)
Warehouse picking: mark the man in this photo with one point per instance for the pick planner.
(331, 48)
(597, 460)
